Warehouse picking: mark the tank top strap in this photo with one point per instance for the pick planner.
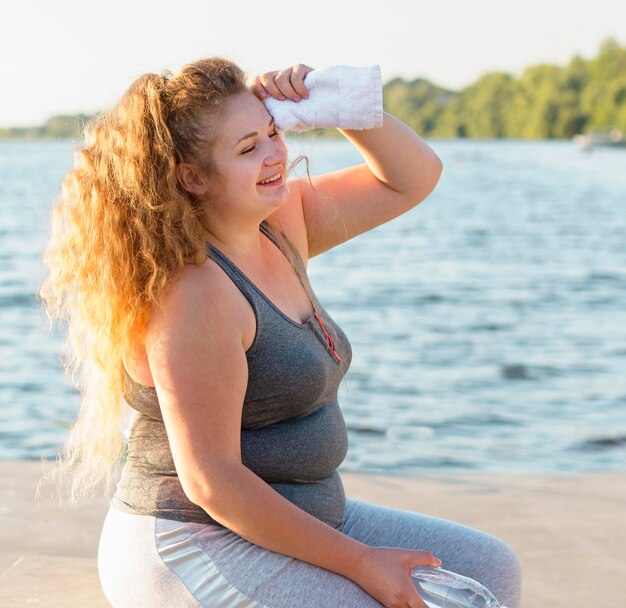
(268, 232)
(302, 274)
(238, 278)
(257, 299)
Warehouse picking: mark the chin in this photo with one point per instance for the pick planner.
(280, 194)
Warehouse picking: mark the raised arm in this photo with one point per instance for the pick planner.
(400, 171)
(198, 362)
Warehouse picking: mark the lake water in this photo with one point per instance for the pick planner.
(488, 324)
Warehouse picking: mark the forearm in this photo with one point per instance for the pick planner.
(397, 156)
(244, 503)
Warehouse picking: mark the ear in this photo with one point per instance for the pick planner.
(191, 178)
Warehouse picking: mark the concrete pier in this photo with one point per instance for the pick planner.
(569, 532)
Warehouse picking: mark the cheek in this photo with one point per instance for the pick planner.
(247, 174)
(283, 144)
(238, 169)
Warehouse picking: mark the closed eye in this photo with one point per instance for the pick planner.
(274, 133)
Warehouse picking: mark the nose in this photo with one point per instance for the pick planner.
(277, 153)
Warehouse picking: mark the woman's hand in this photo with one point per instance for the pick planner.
(282, 84)
(386, 574)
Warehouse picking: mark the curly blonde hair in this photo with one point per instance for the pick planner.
(121, 229)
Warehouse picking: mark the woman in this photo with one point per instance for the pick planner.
(178, 259)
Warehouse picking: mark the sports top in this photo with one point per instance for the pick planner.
(293, 434)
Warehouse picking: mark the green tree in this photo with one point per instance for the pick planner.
(546, 101)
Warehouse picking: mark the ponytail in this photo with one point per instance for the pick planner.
(120, 230)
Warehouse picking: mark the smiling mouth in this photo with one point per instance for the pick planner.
(273, 181)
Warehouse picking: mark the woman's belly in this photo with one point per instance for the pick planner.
(302, 449)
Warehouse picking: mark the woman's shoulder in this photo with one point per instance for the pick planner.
(198, 291)
(199, 299)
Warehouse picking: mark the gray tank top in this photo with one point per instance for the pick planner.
(293, 434)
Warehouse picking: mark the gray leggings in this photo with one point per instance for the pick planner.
(145, 561)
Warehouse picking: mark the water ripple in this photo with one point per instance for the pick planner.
(487, 324)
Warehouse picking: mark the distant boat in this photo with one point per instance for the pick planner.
(601, 136)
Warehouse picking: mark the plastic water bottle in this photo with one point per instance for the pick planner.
(440, 588)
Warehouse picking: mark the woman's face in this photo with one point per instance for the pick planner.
(249, 149)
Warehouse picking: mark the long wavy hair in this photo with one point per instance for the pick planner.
(122, 227)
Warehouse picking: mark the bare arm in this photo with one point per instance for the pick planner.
(200, 371)
(199, 366)
(400, 171)
(398, 157)
(250, 507)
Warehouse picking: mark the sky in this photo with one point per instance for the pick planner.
(70, 56)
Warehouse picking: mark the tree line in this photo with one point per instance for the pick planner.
(544, 102)
(68, 126)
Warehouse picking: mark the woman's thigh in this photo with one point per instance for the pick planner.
(132, 573)
(146, 562)
(464, 550)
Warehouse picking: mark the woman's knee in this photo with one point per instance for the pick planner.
(504, 572)
(508, 559)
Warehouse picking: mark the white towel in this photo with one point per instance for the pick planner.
(343, 96)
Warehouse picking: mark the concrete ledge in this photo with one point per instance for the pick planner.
(43, 527)
(568, 532)
(52, 582)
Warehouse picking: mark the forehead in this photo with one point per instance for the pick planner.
(242, 114)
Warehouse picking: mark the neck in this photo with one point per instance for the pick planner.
(240, 242)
